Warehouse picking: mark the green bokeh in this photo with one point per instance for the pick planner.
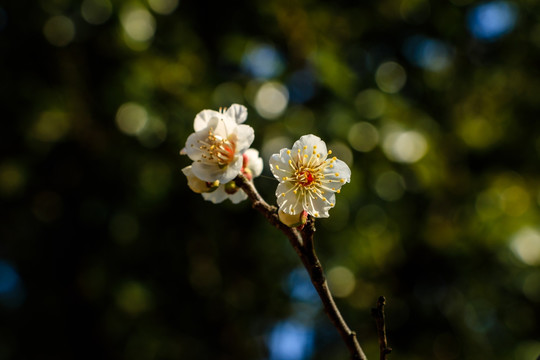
(117, 259)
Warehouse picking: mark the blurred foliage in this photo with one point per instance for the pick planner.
(106, 254)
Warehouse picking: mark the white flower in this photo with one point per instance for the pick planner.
(308, 179)
(252, 167)
(218, 143)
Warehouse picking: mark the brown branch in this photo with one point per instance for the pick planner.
(302, 242)
(378, 314)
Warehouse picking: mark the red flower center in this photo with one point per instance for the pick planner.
(306, 178)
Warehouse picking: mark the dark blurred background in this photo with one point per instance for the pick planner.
(105, 253)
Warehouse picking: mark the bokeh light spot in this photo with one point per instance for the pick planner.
(341, 281)
(131, 118)
(50, 126)
(405, 147)
(291, 340)
(11, 290)
(363, 136)
(515, 200)
(390, 186)
(96, 12)
(138, 23)
(59, 30)
(527, 350)
(390, 77)
(492, 20)
(342, 152)
(274, 145)
(262, 61)
(428, 53)
(163, 7)
(271, 100)
(370, 103)
(525, 244)
(531, 286)
(300, 288)
(478, 132)
(133, 298)
(12, 179)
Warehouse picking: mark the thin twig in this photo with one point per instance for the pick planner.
(378, 314)
(302, 242)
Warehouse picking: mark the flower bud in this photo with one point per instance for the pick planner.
(231, 188)
(298, 220)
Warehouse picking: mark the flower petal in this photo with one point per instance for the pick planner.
(337, 175)
(195, 184)
(238, 196)
(211, 171)
(318, 206)
(254, 163)
(192, 148)
(202, 118)
(309, 143)
(217, 196)
(237, 112)
(288, 201)
(244, 137)
(279, 164)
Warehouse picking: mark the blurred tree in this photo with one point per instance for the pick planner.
(105, 253)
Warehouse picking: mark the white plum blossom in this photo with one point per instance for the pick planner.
(218, 143)
(308, 177)
(252, 167)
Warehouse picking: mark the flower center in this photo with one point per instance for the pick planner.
(305, 178)
(218, 149)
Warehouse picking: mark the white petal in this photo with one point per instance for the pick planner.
(318, 207)
(244, 137)
(288, 201)
(238, 196)
(193, 146)
(310, 143)
(279, 164)
(194, 183)
(337, 176)
(222, 126)
(211, 171)
(254, 163)
(202, 118)
(217, 195)
(237, 112)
